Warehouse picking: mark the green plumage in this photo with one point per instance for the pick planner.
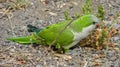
(68, 38)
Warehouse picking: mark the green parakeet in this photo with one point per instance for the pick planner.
(77, 30)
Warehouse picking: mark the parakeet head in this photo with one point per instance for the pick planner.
(86, 21)
(95, 20)
(91, 19)
(89, 22)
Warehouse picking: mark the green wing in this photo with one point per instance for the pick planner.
(50, 33)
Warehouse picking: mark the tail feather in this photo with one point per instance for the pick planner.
(22, 40)
(33, 29)
(26, 39)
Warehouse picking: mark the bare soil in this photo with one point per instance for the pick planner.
(41, 13)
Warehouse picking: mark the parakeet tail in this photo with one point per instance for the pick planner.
(22, 40)
(33, 29)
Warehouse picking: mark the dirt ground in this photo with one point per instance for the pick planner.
(41, 13)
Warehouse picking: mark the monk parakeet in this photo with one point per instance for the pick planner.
(76, 31)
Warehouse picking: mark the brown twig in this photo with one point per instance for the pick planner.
(5, 12)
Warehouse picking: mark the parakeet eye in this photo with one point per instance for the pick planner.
(94, 22)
